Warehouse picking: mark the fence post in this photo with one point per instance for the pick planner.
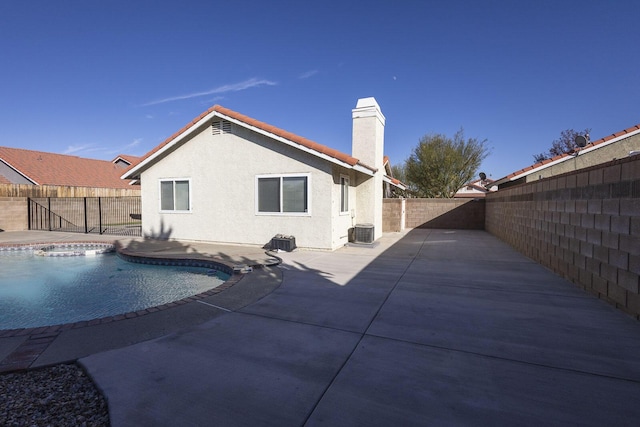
(86, 225)
(100, 214)
(49, 212)
(28, 213)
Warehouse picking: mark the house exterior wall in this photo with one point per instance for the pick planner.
(584, 225)
(223, 170)
(343, 221)
(616, 150)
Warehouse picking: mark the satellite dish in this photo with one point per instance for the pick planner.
(483, 176)
(580, 141)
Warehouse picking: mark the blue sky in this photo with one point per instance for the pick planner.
(97, 78)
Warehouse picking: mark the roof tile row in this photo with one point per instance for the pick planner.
(59, 169)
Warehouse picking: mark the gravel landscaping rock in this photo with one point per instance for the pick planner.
(61, 395)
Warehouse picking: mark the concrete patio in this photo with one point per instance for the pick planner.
(429, 327)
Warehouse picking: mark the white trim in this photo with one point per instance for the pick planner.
(283, 175)
(18, 172)
(173, 211)
(348, 181)
(169, 145)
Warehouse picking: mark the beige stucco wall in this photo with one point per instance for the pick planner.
(616, 150)
(222, 170)
(341, 222)
(368, 146)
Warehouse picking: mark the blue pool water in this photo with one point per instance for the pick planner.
(41, 291)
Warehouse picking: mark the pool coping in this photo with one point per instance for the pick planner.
(38, 339)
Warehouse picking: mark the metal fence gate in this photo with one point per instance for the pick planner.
(99, 215)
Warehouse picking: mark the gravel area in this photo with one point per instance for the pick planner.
(61, 395)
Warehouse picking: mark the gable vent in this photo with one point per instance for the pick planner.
(220, 126)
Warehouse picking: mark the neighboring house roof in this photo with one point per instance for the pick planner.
(4, 180)
(43, 168)
(388, 177)
(126, 158)
(610, 139)
(475, 189)
(273, 132)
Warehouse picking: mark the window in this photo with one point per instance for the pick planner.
(344, 194)
(174, 195)
(285, 194)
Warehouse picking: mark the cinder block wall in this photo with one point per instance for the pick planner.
(445, 213)
(391, 215)
(433, 213)
(584, 225)
(13, 213)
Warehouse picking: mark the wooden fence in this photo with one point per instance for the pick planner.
(33, 191)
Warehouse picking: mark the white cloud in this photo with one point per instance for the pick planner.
(308, 74)
(134, 143)
(234, 87)
(148, 116)
(75, 148)
(212, 100)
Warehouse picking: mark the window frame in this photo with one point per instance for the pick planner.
(174, 180)
(281, 176)
(344, 191)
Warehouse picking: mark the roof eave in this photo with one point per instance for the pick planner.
(358, 166)
(390, 180)
(18, 172)
(134, 172)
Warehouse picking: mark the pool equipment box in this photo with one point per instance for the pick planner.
(283, 243)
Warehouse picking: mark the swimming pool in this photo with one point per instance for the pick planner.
(51, 290)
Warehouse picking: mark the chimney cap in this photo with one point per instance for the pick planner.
(367, 102)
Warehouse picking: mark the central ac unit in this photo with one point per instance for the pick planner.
(363, 233)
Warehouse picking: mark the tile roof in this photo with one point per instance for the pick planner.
(4, 180)
(127, 158)
(569, 155)
(223, 112)
(59, 169)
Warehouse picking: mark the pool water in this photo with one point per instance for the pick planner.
(41, 291)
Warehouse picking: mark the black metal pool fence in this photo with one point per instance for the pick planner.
(98, 215)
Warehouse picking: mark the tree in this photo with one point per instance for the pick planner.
(564, 144)
(439, 166)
